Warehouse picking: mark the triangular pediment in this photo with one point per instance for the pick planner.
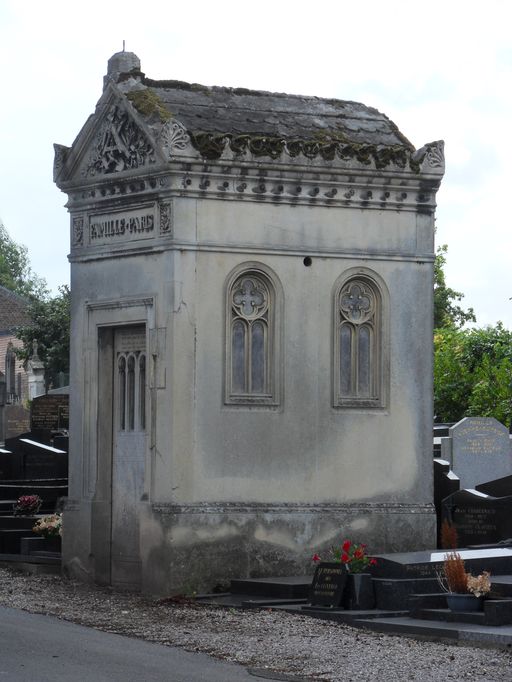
(115, 140)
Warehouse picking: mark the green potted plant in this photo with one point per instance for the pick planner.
(358, 593)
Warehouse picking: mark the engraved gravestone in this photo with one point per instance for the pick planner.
(480, 450)
(328, 584)
(50, 413)
(479, 519)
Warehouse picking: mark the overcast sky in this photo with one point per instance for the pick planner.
(439, 70)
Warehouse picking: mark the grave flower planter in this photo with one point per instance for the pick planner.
(359, 594)
(462, 603)
(53, 544)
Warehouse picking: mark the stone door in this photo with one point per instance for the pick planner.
(129, 446)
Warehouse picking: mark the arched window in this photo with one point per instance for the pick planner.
(252, 339)
(10, 374)
(358, 343)
(131, 375)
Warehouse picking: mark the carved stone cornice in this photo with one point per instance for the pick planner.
(213, 146)
(364, 189)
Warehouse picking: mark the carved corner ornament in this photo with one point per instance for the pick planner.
(59, 159)
(431, 157)
(77, 231)
(119, 145)
(173, 137)
(165, 218)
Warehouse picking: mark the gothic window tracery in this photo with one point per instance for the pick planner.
(10, 375)
(358, 344)
(131, 376)
(251, 340)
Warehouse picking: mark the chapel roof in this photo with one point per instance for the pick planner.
(209, 111)
(238, 111)
(13, 311)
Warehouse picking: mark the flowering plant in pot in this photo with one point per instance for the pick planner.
(49, 526)
(465, 592)
(358, 592)
(27, 505)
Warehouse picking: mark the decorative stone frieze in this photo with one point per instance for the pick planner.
(78, 231)
(165, 218)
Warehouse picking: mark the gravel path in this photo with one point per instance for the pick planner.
(291, 645)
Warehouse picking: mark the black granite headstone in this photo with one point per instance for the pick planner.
(328, 584)
(445, 483)
(426, 564)
(36, 460)
(500, 487)
(478, 518)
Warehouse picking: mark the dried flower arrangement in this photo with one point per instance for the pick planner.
(454, 578)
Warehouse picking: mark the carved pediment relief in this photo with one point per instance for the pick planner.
(119, 145)
(117, 140)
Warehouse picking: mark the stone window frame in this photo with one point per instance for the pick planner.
(272, 319)
(11, 385)
(375, 315)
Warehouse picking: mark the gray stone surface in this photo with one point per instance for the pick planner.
(174, 190)
(480, 450)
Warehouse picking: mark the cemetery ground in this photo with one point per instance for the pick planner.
(272, 644)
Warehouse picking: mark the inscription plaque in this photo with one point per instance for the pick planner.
(119, 226)
(479, 519)
(480, 450)
(50, 413)
(328, 584)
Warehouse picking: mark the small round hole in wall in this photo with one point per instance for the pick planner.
(307, 261)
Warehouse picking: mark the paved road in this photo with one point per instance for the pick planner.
(35, 648)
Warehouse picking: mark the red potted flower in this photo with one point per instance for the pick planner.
(358, 593)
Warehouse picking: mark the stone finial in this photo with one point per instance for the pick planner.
(120, 62)
(35, 350)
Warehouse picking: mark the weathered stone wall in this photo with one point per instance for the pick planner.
(235, 489)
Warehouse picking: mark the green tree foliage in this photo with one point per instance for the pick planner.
(51, 329)
(446, 311)
(15, 271)
(473, 373)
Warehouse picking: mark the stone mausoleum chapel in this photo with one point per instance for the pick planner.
(251, 278)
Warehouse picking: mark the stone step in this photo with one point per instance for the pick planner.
(295, 587)
(394, 593)
(447, 616)
(501, 586)
(464, 633)
(38, 546)
(496, 612)
(9, 491)
(21, 522)
(10, 540)
(33, 565)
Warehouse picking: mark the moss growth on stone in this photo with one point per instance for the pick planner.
(149, 104)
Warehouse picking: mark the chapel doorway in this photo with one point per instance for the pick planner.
(128, 452)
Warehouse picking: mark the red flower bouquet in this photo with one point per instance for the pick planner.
(353, 556)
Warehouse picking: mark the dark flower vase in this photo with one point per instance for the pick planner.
(53, 544)
(463, 603)
(358, 594)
